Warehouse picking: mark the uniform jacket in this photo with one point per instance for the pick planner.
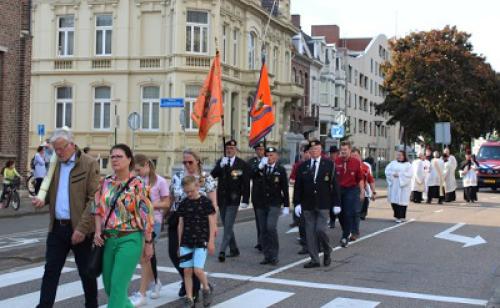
(253, 164)
(233, 183)
(320, 195)
(270, 189)
(83, 184)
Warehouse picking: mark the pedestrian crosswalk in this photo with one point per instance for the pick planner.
(257, 298)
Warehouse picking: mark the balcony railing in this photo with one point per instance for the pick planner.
(101, 63)
(63, 64)
(198, 61)
(150, 63)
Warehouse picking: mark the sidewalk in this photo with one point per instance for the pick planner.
(25, 209)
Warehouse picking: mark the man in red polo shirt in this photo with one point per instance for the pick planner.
(350, 178)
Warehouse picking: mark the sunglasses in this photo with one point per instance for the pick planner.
(188, 162)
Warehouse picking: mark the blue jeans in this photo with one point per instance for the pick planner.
(351, 206)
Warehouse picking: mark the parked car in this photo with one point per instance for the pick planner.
(488, 157)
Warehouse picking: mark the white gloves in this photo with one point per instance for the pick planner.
(243, 205)
(336, 210)
(224, 161)
(285, 211)
(298, 210)
(263, 163)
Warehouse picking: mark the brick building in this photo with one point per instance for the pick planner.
(15, 54)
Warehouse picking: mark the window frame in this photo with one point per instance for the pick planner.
(190, 125)
(66, 31)
(252, 50)
(104, 30)
(102, 102)
(150, 102)
(204, 29)
(64, 102)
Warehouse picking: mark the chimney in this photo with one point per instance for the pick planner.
(296, 20)
(330, 32)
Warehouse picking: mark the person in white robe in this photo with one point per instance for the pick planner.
(450, 183)
(469, 177)
(398, 175)
(434, 180)
(418, 178)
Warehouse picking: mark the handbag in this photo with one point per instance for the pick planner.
(94, 265)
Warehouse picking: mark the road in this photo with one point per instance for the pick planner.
(420, 263)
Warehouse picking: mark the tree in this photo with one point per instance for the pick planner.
(435, 76)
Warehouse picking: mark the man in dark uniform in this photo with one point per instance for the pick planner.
(314, 191)
(270, 180)
(254, 163)
(233, 190)
(334, 152)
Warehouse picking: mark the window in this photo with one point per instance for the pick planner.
(355, 101)
(252, 48)
(275, 60)
(65, 35)
(286, 67)
(249, 105)
(224, 43)
(63, 106)
(104, 163)
(360, 125)
(102, 107)
(197, 32)
(236, 35)
(371, 65)
(192, 92)
(103, 33)
(150, 108)
(323, 131)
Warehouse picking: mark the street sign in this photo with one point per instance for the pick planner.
(41, 130)
(337, 131)
(172, 102)
(134, 121)
(442, 133)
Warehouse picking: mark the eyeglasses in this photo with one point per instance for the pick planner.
(61, 148)
(116, 156)
(188, 162)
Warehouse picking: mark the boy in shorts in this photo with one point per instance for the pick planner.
(197, 225)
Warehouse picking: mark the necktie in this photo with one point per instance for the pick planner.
(313, 168)
(268, 170)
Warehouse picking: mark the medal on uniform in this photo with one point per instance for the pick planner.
(276, 180)
(236, 173)
(327, 178)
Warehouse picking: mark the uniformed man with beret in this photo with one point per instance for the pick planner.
(315, 190)
(233, 191)
(270, 180)
(260, 153)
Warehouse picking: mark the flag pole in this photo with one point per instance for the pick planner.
(223, 103)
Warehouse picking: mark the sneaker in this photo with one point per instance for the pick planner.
(188, 302)
(344, 242)
(208, 296)
(397, 220)
(138, 299)
(155, 290)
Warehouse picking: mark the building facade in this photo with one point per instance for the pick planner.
(15, 51)
(97, 61)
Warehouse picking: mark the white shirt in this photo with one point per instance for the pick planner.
(317, 166)
(231, 160)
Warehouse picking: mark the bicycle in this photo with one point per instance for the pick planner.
(12, 196)
(30, 184)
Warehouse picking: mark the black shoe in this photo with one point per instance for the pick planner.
(303, 251)
(182, 290)
(293, 224)
(331, 225)
(258, 246)
(311, 265)
(233, 254)
(222, 256)
(344, 242)
(327, 260)
(362, 217)
(274, 262)
(265, 261)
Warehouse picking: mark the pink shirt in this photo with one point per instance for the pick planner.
(159, 190)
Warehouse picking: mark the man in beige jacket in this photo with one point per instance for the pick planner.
(70, 195)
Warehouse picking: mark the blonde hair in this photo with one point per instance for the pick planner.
(188, 180)
(196, 157)
(142, 160)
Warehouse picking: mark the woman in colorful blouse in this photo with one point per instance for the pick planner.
(9, 173)
(129, 228)
(192, 166)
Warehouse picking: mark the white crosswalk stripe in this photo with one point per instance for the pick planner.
(255, 298)
(342, 302)
(26, 275)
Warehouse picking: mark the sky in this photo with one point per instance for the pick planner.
(368, 18)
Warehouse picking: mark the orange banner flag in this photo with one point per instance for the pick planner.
(261, 113)
(208, 108)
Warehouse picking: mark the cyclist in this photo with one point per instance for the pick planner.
(9, 173)
(39, 164)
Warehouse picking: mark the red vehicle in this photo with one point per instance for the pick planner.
(488, 158)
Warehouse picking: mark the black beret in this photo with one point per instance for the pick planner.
(305, 147)
(271, 150)
(259, 145)
(334, 149)
(314, 142)
(231, 142)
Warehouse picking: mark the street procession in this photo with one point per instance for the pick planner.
(191, 153)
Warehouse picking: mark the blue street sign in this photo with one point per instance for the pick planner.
(41, 130)
(337, 131)
(172, 102)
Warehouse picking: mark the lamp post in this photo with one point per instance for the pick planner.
(377, 124)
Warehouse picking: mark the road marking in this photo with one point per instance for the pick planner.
(168, 294)
(439, 211)
(64, 291)
(286, 267)
(467, 241)
(293, 230)
(34, 273)
(26, 233)
(342, 302)
(256, 298)
(19, 242)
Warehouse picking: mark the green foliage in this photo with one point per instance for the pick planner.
(436, 77)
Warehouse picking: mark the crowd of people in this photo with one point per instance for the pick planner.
(125, 211)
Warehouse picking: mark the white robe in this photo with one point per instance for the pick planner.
(450, 183)
(418, 178)
(469, 176)
(435, 174)
(398, 187)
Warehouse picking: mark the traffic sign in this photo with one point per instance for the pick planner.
(41, 130)
(172, 102)
(443, 133)
(134, 121)
(337, 131)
